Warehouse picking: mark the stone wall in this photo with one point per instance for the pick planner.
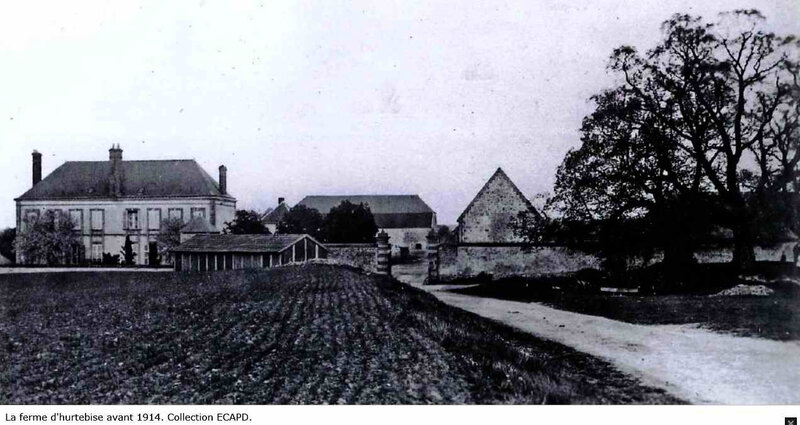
(510, 260)
(360, 255)
(763, 253)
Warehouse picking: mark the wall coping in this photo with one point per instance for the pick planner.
(349, 245)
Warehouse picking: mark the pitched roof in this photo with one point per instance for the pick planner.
(275, 216)
(198, 225)
(390, 211)
(241, 243)
(140, 179)
(499, 174)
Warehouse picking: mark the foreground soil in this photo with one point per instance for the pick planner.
(311, 334)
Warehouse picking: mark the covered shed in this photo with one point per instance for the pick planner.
(234, 252)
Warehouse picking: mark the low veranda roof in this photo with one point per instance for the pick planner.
(242, 243)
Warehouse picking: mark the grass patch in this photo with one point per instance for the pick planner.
(774, 317)
(309, 334)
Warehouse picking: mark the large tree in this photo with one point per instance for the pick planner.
(714, 111)
(628, 173)
(169, 237)
(349, 223)
(301, 219)
(48, 239)
(246, 222)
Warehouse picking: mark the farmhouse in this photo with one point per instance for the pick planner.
(407, 219)
(109, 200)
(488, 218)
(233, 252)
(273, 218)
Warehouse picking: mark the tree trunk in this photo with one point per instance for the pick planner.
(744, 256)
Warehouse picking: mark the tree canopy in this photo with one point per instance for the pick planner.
(48, 239)
(703, 127)
(349, 223)
(169, 237)
(301, 219)
(246, 222)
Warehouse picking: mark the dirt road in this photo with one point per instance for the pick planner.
(691, 363)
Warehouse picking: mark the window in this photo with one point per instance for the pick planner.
(134, 248)
(198, 212)
(150, 252)
(153, 218)
(76, 217)
(97, 251)
(77, 253)
(97, 218)
(132, 219)
(176, 213)
(31, 215)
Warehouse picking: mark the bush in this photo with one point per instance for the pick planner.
(110, 260)
(48, 239)
(7, 243)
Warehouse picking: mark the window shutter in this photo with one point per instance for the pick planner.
(139, 218)
(124, 219)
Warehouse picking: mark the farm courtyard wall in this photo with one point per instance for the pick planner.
(513, 260)
(504, 261)
(356, 255)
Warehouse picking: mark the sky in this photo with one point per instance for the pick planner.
(325, 97)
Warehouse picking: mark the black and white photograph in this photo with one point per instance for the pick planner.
(401, 202)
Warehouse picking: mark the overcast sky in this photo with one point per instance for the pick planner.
(326, 97)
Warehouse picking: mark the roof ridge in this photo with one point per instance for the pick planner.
(368, 194)
(134, 160)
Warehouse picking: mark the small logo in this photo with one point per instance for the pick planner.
(790, 421)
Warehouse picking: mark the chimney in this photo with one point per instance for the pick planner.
(223, 179)
(115, 179)
(37, 167)
(115, 153)
(280, 200)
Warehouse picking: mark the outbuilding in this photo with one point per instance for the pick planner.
(407, 219)
(234, 252)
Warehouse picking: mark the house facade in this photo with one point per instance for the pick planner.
(407, 219)
(108, 201)
(488, 218)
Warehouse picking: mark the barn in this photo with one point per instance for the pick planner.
(407, 219)
(489, 218)
(234, 252)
